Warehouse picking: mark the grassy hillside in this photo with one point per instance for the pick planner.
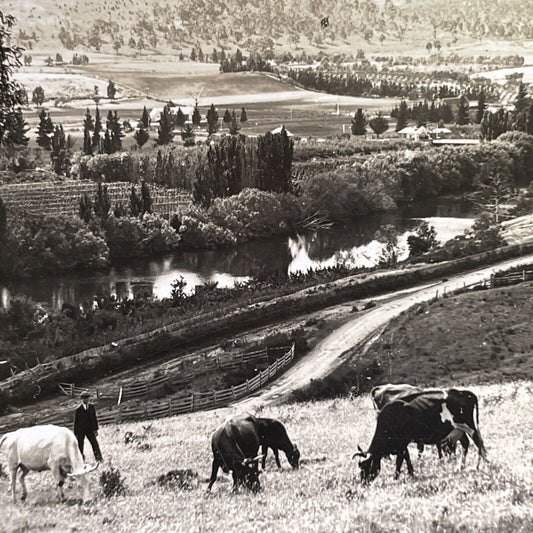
(323, 496)
(166, 25)
(483, 336)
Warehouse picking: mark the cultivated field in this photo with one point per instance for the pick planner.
(323, 496)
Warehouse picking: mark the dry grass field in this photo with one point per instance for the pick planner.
(325, 495)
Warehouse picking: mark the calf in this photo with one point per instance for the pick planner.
(45, 448)
(272, 434)
(235, 446)
(427, 417)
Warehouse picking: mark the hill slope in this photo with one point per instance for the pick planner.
(165, 24)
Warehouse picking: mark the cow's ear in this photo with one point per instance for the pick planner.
(359, 448)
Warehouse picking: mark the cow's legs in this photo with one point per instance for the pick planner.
(214, 472)
(408, 463)
(439, 450)
(23, 473)
(478, 441)
(465, 443)
(13, 472)
(276, 455)
(59, 476)
(399, 461)
(264, 451)
(420, 447)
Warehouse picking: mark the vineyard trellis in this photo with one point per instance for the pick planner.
(61, 198)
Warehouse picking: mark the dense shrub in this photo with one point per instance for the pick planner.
(198, 231)
(52, 244)
(112, 483)
(109, 167)
(134, 237)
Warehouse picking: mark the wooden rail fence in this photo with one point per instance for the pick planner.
(173, 405)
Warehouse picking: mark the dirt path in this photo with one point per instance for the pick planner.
(328, 354)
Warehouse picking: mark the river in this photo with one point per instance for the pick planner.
(353, 245)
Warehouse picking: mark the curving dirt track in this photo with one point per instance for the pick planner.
(328, 354)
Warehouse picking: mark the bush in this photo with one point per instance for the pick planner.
(112, 483)
(55, 243)
(133, 237)
(197, 231)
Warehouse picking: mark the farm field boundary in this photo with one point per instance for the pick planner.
(173, 405)
(23, 386)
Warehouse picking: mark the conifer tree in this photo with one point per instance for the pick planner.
(359, 123)
(44, 131)
(16, 127)
(227, 116)
(379, 124)
(135, 203)
(401, 119)
(38, 96)
(146, 198)
(196, 117)
(462, 116)
(187, 135)
(111, 90)
(141, 135)
(244, 116)
(521, 103)
(88, 127)
(60, 154)
(102, 202)
(107, 145)
(234, 125)
(481, 106)
(193, 54)
(145, 118)
(85, 208)
(180, 118)
(165, 127)
(96, 131)
(212, 120)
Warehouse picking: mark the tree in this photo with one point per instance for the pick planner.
(180, 118)
(96, 131)
(59, 59)
(379, 124)
(359, 123)
(88, 127)
(481, 106)
(193, 54)
(111, 90)
(44, 130)
(212, 120)
(146, 198)
(196, 117)
(187, 135)
(401, 119)
(164, 133)
(463, 111)
(135, 203)
(234, 125)
(522, 104)
(114, 127)
(16, 128)
(244, 116)
(60, 154)
(423, 240)
(38, 96)
(388, 235)
(102, 202)
(214, 56)
(429, 46)
(85, 209)
(274, 155)
(141, 135)
(145, 118)
(227, 116)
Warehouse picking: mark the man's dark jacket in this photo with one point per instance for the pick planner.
(85, 420)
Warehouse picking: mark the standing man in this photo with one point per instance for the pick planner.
(86, 425)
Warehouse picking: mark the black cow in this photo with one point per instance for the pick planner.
(427, 417)
(274, 435)
(235, 445)
(383, 394)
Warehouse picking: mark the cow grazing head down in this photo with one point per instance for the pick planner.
(294, 457)
(369, 465)
(249, 474)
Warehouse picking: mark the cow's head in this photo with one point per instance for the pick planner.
(294, 457)
(249, 473)
(81, 475)
(369, 465)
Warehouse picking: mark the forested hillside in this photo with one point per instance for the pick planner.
(123, 25)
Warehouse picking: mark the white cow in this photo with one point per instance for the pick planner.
(45, 448)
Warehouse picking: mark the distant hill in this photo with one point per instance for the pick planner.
(262, 24)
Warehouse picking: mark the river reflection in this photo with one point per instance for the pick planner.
(352, 245)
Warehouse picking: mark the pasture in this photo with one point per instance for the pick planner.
(324, 495)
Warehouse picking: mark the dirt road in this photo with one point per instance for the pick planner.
(328, 354)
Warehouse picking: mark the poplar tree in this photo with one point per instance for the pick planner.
(212, 120)
(96, 139)
(44, 131)
(359, 123)
(165, 127)
(463, 111)
(401, 119)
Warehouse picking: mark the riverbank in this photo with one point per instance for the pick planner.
(20, 388)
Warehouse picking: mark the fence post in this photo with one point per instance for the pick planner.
(233, 392)
(214, 397)
(192, 402)
(247, 386)
(492, 281)
(523, 275)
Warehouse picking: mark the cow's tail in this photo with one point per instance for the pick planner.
(477, 415)
(3, 439)
(478, 440)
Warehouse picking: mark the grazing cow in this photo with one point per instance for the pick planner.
(273, 434)
(428, 417)
(383, 394)
(235, 446)
(45, 448)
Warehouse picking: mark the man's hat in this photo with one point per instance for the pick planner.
(85, 394)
